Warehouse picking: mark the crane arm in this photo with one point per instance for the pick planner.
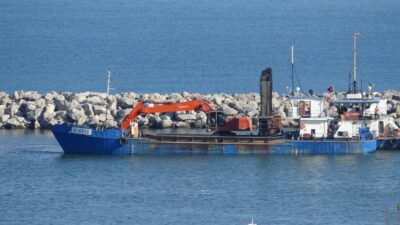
(160, 107)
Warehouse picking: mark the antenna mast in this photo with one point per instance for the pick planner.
(292, 62)
(108, 82)
(356, 34)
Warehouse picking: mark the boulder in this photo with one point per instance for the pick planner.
(184, 117)
(167, 123)
(93, 120)
(2, 109)
(15, 122)
(126, 102)
(182, 124)
(61, 104)
(16, 96)
(31, 106)
(4, 118)
(88, 109)
(5, 100)
(142, 120)
(46, 118)
(12, 109)
(98, 109)
(31, 96)
(76, 115)
(398, 108)
(228, 110)
(94, 100)
(111, 123)
(50, 96)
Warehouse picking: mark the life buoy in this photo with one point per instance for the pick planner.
(123, 141)
(302, 126)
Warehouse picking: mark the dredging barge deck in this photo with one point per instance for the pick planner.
(270, 139)
(77, 140)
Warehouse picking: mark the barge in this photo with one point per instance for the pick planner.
(271, 139)
(78, 140)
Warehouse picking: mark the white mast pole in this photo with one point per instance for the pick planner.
(292, 62)
(108, 82)
(356, 34)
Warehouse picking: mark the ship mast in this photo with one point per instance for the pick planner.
(292, 62)
(108, 82)
(356, 34)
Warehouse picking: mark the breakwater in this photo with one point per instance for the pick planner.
(30, 109)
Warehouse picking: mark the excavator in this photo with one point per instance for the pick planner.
(217, 121)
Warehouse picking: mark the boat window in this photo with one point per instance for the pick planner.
(343, 134)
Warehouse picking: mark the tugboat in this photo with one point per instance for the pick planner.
(358, 110)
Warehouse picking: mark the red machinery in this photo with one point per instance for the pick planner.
(216, 120)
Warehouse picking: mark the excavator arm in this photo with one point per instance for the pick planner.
(162, 107)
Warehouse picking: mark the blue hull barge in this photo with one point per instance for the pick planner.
(77, 140)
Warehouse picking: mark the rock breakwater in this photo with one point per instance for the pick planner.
(30, 109)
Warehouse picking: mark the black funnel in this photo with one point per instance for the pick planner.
(266, 101)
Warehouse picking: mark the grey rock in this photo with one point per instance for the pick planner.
(12, 109)
(93, 120)
(76, 114)
(31, 106)
(31, 96)
(97, 109)
(398, 109)
(142, 120)
(2, 109)
(174, 97)
(5, 100)
(166, 123)
(182, 124)
(61, 104)
(122, 113)
(94, 100)
(50, 96)
(15, 122)
(165, 117)
(31, 116)
(184, 117)
(61, 115)
(228, 110)
(16, 96)
(73, 104)
(153, 119)
(126, 102)
(157, 97)
(4, 118)
(3, 94)
(111, 123)
(88, 109)
(102, 118)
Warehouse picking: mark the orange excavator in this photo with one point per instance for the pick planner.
(217, 121)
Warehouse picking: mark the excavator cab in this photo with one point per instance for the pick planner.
(215, 119)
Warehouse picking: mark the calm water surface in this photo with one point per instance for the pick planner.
(40, 185)
(197, 46)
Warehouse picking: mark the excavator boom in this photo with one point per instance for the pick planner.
(162, 107)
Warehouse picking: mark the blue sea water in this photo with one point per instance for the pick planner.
(41, 185)
(196, 46)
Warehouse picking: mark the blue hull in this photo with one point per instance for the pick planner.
(75, 140)
(389, 144)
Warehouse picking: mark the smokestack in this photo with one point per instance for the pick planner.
(266, 101)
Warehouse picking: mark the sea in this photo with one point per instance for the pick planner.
(201, 46)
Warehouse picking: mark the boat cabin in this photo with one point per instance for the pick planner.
(305, 107)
